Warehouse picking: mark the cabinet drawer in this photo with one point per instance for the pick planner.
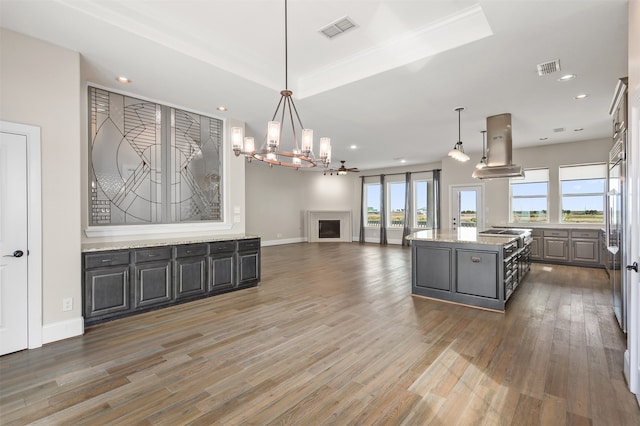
(224, 247)
(156, 253)
(555, 233)
(246, 245)
(191, 250)
(587, 233)
(537, 232)
(99, 260)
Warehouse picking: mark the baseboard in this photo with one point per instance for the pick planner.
(62, 330)
(283, 241)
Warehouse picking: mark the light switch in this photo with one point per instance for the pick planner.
(236, 209)
(236, 218)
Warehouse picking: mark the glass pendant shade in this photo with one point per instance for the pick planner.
(273, 134)
(325, 149)
(307, 141)
(236, 138)
(457, 153)
(249, 145)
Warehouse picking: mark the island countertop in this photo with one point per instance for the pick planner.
(461, 235)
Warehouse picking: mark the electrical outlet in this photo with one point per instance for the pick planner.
(67, 304)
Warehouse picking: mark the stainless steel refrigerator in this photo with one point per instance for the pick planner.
(617, 227)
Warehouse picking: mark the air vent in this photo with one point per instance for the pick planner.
(548, 67)
(338, 27)
(559, 130)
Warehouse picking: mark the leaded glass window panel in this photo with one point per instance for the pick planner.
(150, 163)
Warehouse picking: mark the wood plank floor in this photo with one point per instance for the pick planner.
(333, 336)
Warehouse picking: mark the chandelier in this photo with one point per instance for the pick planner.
(301, 154)
(457, 153)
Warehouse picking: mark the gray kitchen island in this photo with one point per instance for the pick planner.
(469, 268)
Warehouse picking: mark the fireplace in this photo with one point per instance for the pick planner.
(329, 228)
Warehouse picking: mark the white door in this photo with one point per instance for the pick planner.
(466, 207)
(13, 243)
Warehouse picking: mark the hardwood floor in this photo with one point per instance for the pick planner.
(333, 336)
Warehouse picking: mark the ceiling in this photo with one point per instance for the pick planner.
(389, 86)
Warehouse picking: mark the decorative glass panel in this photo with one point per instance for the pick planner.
(150, 163)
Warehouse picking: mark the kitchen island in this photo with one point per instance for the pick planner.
(469, 268)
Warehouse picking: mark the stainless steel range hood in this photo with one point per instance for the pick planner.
(499, 150)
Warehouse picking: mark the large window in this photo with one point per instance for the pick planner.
(151, 164)
(372, 203)
(529, 197)
(396, 195)
(582, 191)
(421, 211)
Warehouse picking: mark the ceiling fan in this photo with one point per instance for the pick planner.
(342, 170)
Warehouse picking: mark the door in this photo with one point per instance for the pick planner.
(13, 243)
(466, 208)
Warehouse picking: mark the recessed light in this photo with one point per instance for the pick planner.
(353, 147)
(403, 161)
(579, 129)
(582, 96)
(122, 79)
(567, 77)
(221, 108)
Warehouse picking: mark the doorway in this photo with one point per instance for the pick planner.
(466, 208)
(20, 145)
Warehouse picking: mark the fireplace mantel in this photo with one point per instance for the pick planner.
(315, 216)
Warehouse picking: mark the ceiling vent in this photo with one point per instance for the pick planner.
(549, 67)
(338, 27)
(559, 130)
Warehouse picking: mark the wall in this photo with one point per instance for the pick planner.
(496, 191)
(278, 199)
(40, 86)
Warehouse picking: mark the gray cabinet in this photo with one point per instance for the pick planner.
(556, 245)
(106, 284)
(152, 269)
(477, 273)
(248, 262)
(585, 246)
(191, 271)
(432, 267)
(222, 266)
(536, 247)
(118, 283)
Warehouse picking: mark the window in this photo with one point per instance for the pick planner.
(582, 191)
(529, 197)
(152, 164)
(422, 211)
(396, 194)
(372, 201)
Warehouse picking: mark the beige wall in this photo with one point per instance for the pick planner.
(40, 86)
(279, 198)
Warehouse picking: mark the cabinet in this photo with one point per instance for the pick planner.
(152, 276)
(556, 245)
(191, 271)
(119, 283)
(536, 244)
(585, 246)
(248, 262)
(477, 273)
(106, 284)
(223, 266)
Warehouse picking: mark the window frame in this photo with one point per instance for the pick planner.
(533, 179)
(429, 207)
(388, 210)
(561, 194)
(365, 197)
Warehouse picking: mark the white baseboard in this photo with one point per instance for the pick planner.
(62, 330)
(283, 241)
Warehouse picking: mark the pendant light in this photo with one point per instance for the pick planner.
(457, 153)
(483, 161)
(301, 154)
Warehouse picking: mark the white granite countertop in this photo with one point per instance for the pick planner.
(122, 245)
(462, 235)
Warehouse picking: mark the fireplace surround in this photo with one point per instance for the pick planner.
(329, 226)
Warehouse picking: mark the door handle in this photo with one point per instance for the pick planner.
(633, 267)
(17, 253)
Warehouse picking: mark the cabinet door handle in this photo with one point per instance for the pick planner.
(106, 260)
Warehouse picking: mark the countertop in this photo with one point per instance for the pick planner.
(122, 245)
(462, 235)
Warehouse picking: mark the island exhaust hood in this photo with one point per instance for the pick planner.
(499, 150)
